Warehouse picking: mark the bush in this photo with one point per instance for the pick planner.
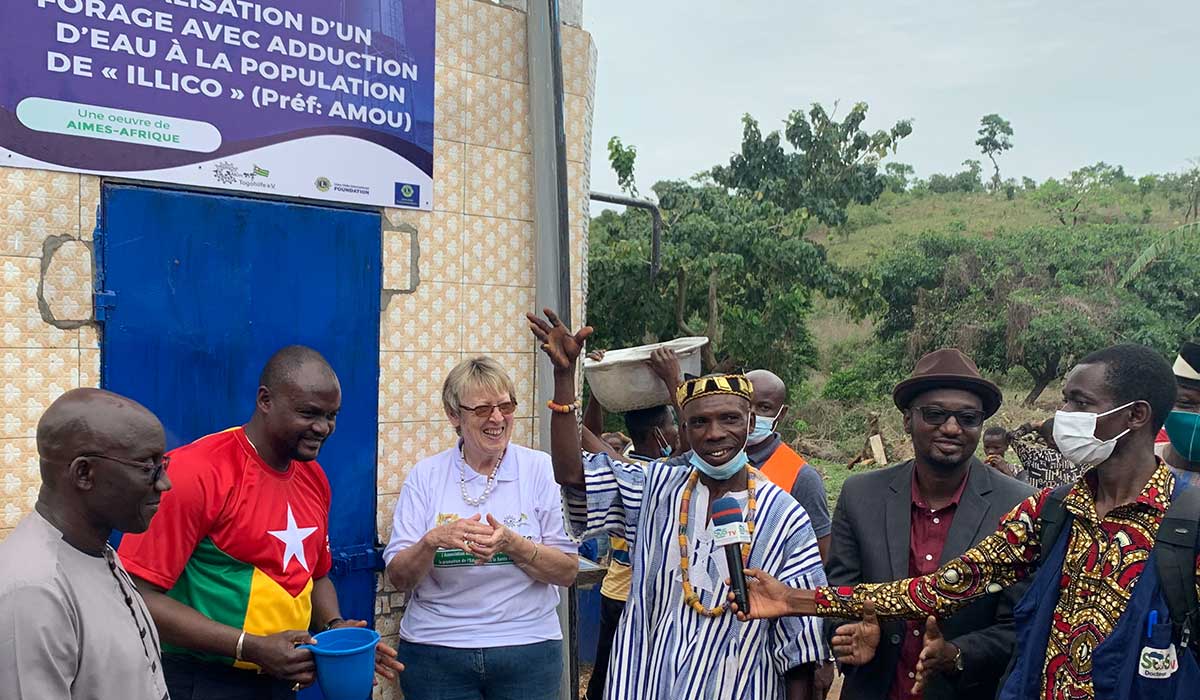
(869, 376)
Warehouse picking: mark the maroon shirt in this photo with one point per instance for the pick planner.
(926, 536)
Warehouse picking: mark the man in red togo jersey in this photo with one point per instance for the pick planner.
(235, 568)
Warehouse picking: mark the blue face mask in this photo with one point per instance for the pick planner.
(764, 426)
(664, 446)
(1183, 427)
(723, 472)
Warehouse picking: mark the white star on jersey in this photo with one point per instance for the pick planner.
(293, 539)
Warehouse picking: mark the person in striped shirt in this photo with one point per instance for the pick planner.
(677, 639)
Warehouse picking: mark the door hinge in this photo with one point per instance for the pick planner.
(104, 302)
(358, 558)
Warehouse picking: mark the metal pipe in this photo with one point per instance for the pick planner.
(560, 152)
(656, 222)
(552, 233)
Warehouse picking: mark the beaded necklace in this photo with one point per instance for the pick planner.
(487, 488)
(689, 595)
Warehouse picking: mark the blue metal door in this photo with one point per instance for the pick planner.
(196, 291)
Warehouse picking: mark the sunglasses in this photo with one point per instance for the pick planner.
(969, 418)
(484, 410)
(156, 469)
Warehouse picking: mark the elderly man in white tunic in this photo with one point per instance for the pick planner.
(677, 640)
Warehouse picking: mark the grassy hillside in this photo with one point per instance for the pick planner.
(831, 433)
(876, 228)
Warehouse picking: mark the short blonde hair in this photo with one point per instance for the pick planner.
(475, 373)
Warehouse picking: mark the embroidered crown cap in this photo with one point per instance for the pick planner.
(698, 387)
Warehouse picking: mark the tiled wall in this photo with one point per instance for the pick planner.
(46, 222)
(457, 280)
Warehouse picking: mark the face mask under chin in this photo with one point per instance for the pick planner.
(720, 472)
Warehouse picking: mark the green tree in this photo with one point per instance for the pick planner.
(1077, 199)
(737, 270)
(966, 180)
(622, 159)
(1182, 191)
(736, 265)
(829, 165)
(995, 134)
(1146, 184)
(897, 176)
(1037, 299)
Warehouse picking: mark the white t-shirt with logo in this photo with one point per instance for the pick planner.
(460, 603)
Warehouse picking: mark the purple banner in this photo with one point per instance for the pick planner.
(326, 99)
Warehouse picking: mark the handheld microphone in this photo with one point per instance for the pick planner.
(730, 532)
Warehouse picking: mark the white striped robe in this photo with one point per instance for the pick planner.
(665, 650)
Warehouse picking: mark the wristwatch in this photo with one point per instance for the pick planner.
(958, 660)
(333, 621)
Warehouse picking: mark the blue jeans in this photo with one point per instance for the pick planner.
(524, 672)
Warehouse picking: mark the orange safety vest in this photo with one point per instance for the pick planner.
(783, 467)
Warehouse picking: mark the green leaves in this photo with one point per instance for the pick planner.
(1163, 245)
(829, 165)
(1036, 299)
(994, 135)
(735, 269)
(622, 159)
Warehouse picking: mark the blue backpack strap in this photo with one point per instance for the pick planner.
(1054, 517)
(1175, 548)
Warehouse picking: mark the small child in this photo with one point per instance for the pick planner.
(995, 445)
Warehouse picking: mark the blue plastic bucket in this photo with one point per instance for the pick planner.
(345, 662)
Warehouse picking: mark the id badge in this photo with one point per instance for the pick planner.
(1158, 663)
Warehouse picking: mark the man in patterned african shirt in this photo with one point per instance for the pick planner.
(1115, 510)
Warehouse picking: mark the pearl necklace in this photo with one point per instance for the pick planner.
(487, 489)
(690, 597)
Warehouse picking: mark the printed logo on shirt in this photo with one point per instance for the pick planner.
(515, 522)
(457, 558)
(1158, 663)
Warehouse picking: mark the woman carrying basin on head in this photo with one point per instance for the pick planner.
(478, 543)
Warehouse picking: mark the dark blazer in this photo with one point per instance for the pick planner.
(871, 526)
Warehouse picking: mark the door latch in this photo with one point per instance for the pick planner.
(357, 558)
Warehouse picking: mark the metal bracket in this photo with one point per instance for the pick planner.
(360, 558)
(104, 302)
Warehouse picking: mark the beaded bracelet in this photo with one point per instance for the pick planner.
(561, 408)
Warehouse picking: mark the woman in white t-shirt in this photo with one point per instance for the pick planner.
(479, 545)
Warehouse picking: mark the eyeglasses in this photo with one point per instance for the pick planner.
(156, 469)
(969, 418)
(484, 410)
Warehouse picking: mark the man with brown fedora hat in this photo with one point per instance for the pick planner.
(933, 507)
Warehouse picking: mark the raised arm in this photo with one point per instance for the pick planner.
(665, 363)
(593, 412)
(563, 349)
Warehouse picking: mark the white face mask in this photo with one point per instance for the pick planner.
(1075, 435)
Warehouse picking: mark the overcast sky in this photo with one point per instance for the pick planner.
(1081, 82)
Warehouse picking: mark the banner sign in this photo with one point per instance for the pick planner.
(324, 99)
